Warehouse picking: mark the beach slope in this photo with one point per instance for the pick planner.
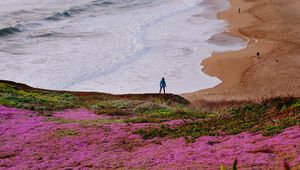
(271, 27)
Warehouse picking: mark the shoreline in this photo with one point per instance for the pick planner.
(148, 42)
(244, 76)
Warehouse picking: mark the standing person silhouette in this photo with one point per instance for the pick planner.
(163, 85)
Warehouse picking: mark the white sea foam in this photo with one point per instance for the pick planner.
(118, 46)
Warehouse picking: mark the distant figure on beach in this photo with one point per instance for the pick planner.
(239, 10)
(163, 85)
(257, 54)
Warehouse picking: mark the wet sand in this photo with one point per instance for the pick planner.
(272, 28)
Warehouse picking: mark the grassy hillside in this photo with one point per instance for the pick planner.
(269, 117)
(25, 97)
(115, 128)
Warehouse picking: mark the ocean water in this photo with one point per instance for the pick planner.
(115, 46)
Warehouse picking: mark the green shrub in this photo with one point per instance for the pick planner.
(253, 108)
(122, 104)
(144, 120)
(150, 133)
(189, 114)
(288, 121)
(45, 114)
(93, 122)
(296, 105)
(159, 113)
(99, 105)
(65, 132)
(148, 107)
(112, 107)
(271, 130)
(280, 125)
(113, 112)
(38, 101)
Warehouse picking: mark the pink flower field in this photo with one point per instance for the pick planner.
(80, 139)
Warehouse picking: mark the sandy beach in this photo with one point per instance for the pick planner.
(270, 28)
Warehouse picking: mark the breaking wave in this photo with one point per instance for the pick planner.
(8, 31)
(58, 16)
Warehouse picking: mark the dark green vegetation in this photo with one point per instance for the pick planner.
(269, 117)
(13, 96)
(65, 132)
(25, 97)
(94, 122)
